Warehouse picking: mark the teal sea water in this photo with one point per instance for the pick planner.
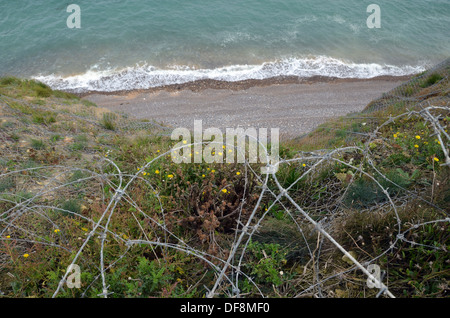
(143, 43)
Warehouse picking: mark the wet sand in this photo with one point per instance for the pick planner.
(293, 105)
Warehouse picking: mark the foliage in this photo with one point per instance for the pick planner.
(163, 229)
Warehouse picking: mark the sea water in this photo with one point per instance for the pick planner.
(140, 43)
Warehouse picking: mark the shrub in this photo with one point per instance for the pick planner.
(267, 260)
(43, 90)
(431, 80)
(44, 118)
(9, 80)
(37, 144)
(6, 183)
(363, 193)
(400, 178)
(71, 205)
(108, 121)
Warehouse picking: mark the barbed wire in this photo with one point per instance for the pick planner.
(229, 268)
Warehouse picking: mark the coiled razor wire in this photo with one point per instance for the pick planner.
(229, 269)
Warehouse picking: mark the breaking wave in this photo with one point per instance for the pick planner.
(147, 76)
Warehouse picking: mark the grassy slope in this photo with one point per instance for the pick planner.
(58, 139)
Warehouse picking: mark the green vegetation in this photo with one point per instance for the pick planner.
(431, 80)
(11, 86)
(37, 144)
(44, 118)
(70, 170)
(72, 205)
(108, 121)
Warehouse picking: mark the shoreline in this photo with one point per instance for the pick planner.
(295, 106)
(200, 85)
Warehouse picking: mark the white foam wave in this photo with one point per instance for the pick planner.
(147, 76)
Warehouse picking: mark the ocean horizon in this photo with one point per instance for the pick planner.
(141, 44)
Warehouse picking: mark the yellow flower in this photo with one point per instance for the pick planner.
(157, 150)
(213, 171)
(220, 153)
(184, 142)
(26, 255)
(417, 146)
(144, 173)
(238, 173)
(395, 135)
(84, 229)
(224, 190)
(157, 171)
(57, 231)
(170, 176)
(304, 165)
(203, 175)
(436, 159)
(229, 150)
(223, 147)
(417, 137)
(8, 237)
